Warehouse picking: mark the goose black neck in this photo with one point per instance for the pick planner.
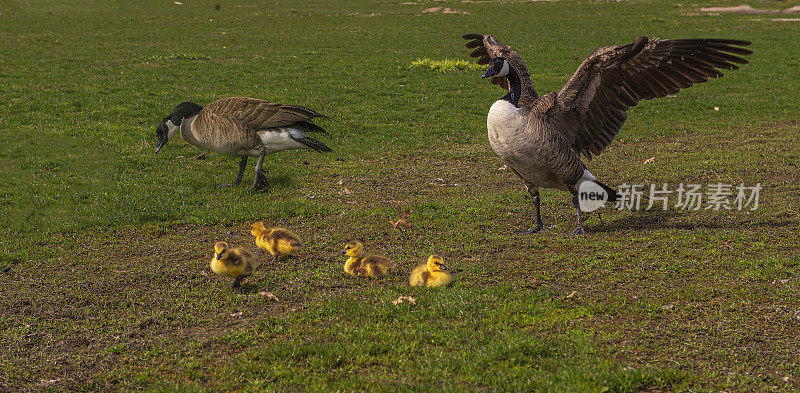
(184, 110)
(514, 87)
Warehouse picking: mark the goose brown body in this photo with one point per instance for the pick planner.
(516, 143)
(542, 138)
(243, 127)
(237, 126)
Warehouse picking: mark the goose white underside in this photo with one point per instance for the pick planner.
(278, 139)
(587, 176)
(504, 123)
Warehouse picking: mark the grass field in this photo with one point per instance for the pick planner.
(104, 246)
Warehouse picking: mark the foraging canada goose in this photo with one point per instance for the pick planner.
(541, 138)
(243, 127)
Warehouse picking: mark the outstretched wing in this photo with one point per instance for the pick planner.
(488, 48)
(258, 114)
(591, 108)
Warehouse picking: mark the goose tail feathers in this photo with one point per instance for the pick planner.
(312, 143)
(612, 193)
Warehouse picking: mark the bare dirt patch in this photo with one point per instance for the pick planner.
(746, 9)
(443, 10)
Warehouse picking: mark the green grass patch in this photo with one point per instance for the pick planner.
(104, 246)
(446, 65)
(179, 56)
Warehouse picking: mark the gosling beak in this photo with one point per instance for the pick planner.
(344, 252)
(219, 256)
(160, 145)
(443, 267)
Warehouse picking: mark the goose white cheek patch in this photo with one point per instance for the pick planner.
(173, 129)
(504, 70)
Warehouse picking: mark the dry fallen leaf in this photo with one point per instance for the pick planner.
(237, 314)
(571, 294)
(403, 219)
(650, 160)
(406, 298)
(269, 295)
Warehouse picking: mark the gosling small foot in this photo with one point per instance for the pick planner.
(237, 283)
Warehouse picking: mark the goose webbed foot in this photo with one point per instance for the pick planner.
(259, 183)
(578, 231)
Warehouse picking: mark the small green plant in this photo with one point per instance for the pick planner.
(446, 65)
(179, 56)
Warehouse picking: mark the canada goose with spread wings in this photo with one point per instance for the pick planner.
(542, 138)
(243, 127)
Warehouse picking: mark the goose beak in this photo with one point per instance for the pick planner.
(160, 145)
(488, 74)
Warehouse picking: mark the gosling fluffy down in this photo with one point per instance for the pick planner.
(359, 264)
(431, 274)
(238, 262)
(276, 240)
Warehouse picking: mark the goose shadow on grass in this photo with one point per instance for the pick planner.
(672, 219)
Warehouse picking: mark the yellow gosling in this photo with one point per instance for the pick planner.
(238, 262)
(431, 274)
(359, 264)
(276, 240)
